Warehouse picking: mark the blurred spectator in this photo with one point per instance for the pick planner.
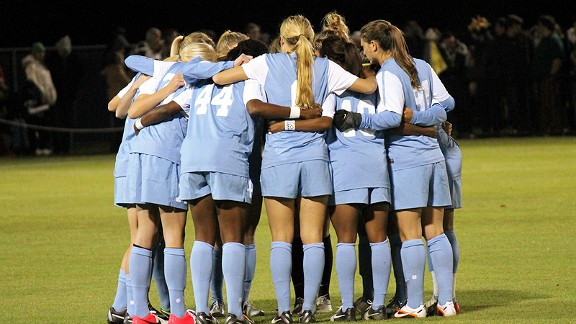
(571, 47)
(431, 53)
(546, 65)
(499, 27)
(5, 110)
(169, 35)
(67, 72)
(415, 39)
(252, 30)
(38, 94)
(456, 55)
(152, 46)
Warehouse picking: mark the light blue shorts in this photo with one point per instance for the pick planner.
(422, 186)
(456, 193)
(366, 196)
(221, 186)
(153, 180)
(301, 179)
(121, 192)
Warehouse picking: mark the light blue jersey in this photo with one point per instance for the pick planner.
(220, 131)
(357, 157)
(121, 165)
(430, 102)
(277, 74)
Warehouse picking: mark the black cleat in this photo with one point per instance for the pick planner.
(284, 318)
(115, 317)
(232, 319)
(376, 314)
(347, 316)
(307, 316)
(203, 318)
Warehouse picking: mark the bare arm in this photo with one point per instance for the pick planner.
(409, 129)
(266, 110)
(230, 76)
(145, 102)
(124, 104)
(158, 114)
(310, 125)
(366, 86)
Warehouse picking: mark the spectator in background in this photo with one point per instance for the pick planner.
(38, 94)
(67, 72)
(5, 111)
(415, 39)
(571, 48)
(253, 31)
(548, 55)
(169, 35)
(152, 46)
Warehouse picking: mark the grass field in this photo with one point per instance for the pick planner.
(61, 238)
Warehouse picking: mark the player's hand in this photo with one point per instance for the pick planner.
(176, 82)
(431, 131)
(344, 120)
(243, 58)
(313, 112)
(275, 126)
(447, 126)
(407, 114)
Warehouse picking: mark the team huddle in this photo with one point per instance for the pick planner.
(319, 131)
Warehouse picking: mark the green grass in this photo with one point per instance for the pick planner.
(61, 238)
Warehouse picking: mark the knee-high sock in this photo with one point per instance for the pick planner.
(327, 271)
(217, 278)
(233, 266)
(120, 303)
(345, 270)
(249, 271)
(432, 274)
(456, 257)
(413, 262)
(159, 275)
(365, 265)
(281, 266)
(441, 255)
(381, 264)
(141, 270)
(175, 270)
(297, 267)
(313, 268)
(129, 295)
(395, 249)
(201, 267)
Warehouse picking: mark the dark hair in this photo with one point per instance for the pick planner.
(547, 21)
(344, 53)
(249, 47)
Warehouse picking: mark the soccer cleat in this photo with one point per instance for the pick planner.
(446, 310)
(218, 309)
(323, 304)
(456, 306)
(160, 314)
(393, 306)
(298, 305)
(347, 316)
(203, 318)
(149, 319)
(284, 318)
(115, 317)
(232, 319)
(251, 311)
(361, 305)
(127, 319)
(187, 319)
(408, 312)
(307, 316)
(377, 314)
(431, 306)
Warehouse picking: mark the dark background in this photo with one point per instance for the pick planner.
(94, 22)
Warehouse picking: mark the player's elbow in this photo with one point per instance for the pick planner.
(253, 107)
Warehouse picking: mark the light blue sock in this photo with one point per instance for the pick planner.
(120, 298)
(175, 270)
(381, 263)
(413, 262)
(455, 249)
(141, 270)
(233, 266)
(159, 276)
(201, 267)
(250, 270)
(217, 277)
(313, 270)
(345, 270)
(441, 255)
(281, 267)
(129, 295)
(395, 248)
(365, 265)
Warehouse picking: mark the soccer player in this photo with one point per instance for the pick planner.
(417, 168)
(295, 164)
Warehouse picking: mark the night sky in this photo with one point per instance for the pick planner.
(94, 22)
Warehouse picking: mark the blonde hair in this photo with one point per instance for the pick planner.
(335, 23)
(297, 33)
(227, 41)
(186, 48)
(390, 38)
